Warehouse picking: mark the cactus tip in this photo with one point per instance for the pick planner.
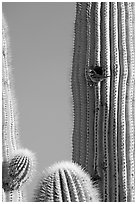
(18, 170)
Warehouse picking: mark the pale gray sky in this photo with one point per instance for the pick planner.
(41, 36)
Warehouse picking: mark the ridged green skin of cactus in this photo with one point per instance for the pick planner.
(66, 182)
(18, 170)
(103, 134)
(10, 133)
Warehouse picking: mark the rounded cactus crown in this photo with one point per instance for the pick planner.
(18, 170)
(66, 182)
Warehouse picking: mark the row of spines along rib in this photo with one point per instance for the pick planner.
(66, 182)
(103, 135)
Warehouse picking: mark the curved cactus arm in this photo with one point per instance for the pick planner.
(10, 141)
(10, 127)
(17, 163)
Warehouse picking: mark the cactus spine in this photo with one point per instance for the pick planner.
(103, 135)
(14, 172)
(66, 182)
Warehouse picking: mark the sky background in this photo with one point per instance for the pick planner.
(41, 39)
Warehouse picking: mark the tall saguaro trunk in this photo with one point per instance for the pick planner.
(103, 81)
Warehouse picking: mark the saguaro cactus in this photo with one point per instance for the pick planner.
(17, 163)
(103, 96)
(66, 182)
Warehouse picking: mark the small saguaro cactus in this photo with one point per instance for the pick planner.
(17, 163)
(66, 182)
(18, 170)
(103, 81)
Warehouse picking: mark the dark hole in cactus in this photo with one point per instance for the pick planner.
(96, 69)
(96, 178)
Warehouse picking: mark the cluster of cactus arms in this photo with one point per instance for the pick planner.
(103, 77)
(102, 167)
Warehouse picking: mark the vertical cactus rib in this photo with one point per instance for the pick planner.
(82, 82)
(79, 188)
(72, 187)
(114, 56)
(65, 192)
(97, 35)
(97, 87)
(57, 186)
(122, 101)
(105, 63)
(75, 87)
(130, 134)
(89, 162)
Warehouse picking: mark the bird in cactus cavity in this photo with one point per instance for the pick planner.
(94, 74)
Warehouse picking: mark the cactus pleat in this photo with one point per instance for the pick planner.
(80, 105)
(72, 187)
(90, 92)
(122, 102)
(130, 101)
(66, 182)
(96, 62)
(105, 110)
(75, 86)
(105, 91)
(114, 100)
